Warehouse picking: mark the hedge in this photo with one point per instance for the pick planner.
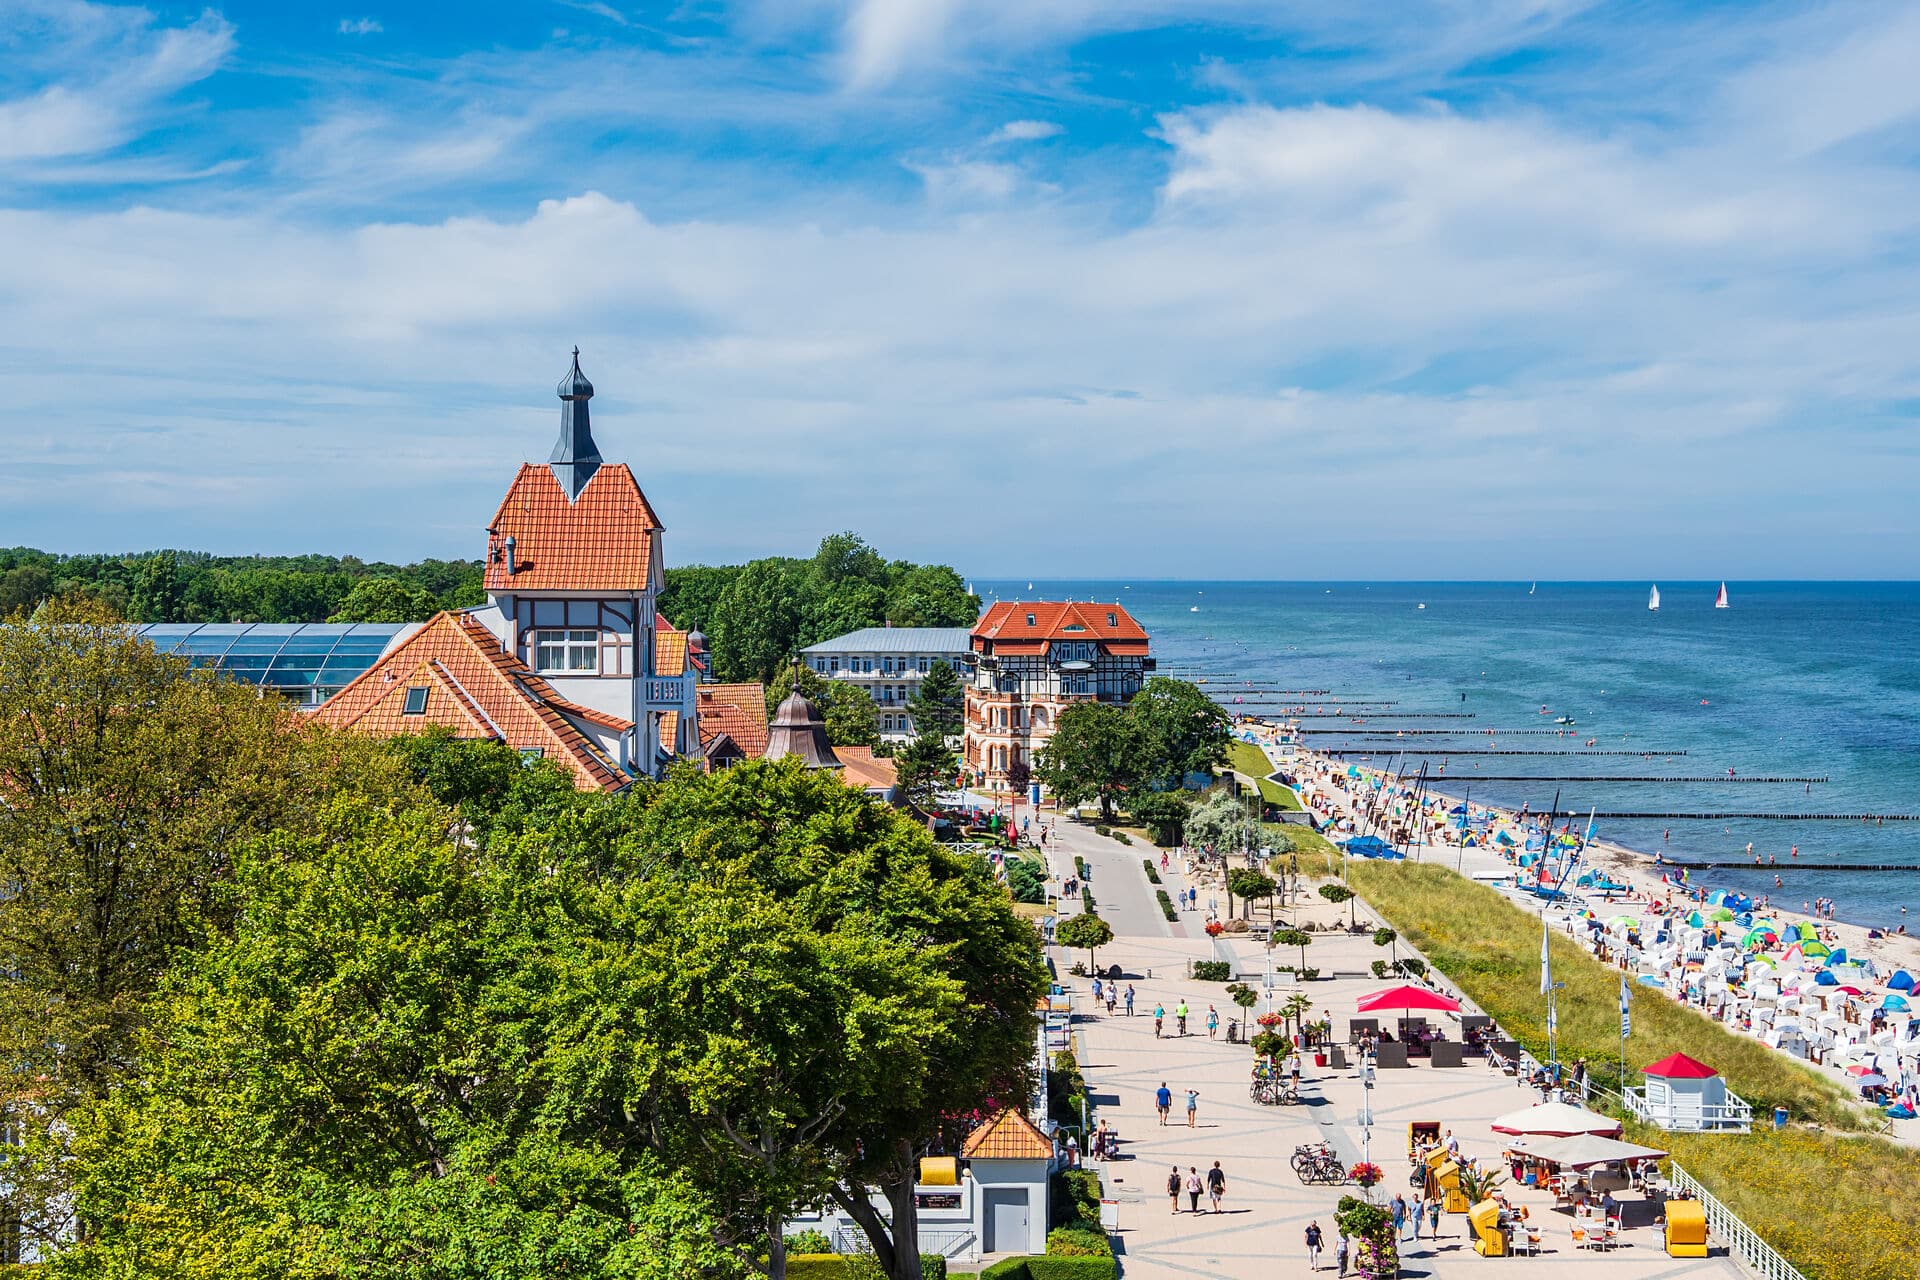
(1166, 905)
(1211, 971)
(1153, 875)
(838, 1266)
(1052, 1269)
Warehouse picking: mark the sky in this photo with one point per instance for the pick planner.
(1090, 288)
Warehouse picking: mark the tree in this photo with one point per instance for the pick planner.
(157, 590)
(1295, 938)
(926, 766)
(23, 588)
(1245, 997)
(930, 595)
(1188, 730)
(386, 600)
(1096, 753)
(939, 703)
(1164, 813)
(846, 556)
(1085, 931)
(1385, 937)
(756, 622)
(692, 595)
(846, 709)
(1220, 823)
(1248, 884)
(1337, 894)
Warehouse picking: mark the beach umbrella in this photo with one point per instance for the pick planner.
(1556, 1120)
(1586, 1150)
(1407, 997)
(1901, 980)
(1871, 1080)
(1896, 1003)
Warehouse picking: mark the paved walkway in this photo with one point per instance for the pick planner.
(1122, 895)
(1267, 1208)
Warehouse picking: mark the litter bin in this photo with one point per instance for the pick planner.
(1779, 1117)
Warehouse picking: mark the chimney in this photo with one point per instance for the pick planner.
(512, 568)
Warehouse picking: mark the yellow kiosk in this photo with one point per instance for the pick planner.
(1686, 1229)
(1489, 1241)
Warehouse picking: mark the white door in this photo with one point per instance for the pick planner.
(1006, 1220)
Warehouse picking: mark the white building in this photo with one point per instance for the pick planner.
(889, 663)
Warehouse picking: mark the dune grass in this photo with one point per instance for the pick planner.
(1834, 1204)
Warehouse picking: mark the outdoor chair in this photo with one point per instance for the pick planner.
(1360, 1027)
(1530, 1242)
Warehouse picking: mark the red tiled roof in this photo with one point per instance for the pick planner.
(1679, 1066)
(737, 710)
(1008, 1136)
(478, 690)
(861, 768)
(1005, 625)
(601, 542)
(669, 653)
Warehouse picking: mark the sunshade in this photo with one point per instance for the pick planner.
(1896, 1003)
(1872, 1080)
(1719, 913)
(1623, 922)
(1815, 948)
(1589, 1149)
(1407, 996)
(1900, 981)
(1503, 838)
(1556, 1120)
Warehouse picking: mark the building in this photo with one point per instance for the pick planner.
(1031, 661)
(307, 662)
(569, 658)
(798, 730)
(889, 663)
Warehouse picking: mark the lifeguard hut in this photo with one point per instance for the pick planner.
(1686, 1095)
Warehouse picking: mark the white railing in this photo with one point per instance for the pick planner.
(1740, 1239)
(949, 1242)
(1733, 1116)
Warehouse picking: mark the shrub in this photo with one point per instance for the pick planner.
(809, 1241)
(1080, 866)
(1066, 1089)
(933, 1266)
(1166, 905)
(819, 1266)
(1123, 837)
(1073, 1197)
(1101, 830)
(1006, 1269)
(1078, 1242)
(1072, 1268)
(1153, 873)
(1212, 971)
(1086, 899)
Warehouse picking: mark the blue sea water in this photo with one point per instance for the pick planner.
(1796, 678)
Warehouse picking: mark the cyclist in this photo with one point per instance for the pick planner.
(1180, 1015)
(1159, 1019)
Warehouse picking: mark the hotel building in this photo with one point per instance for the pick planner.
(889, 663)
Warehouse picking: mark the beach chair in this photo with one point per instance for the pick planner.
(1580, 1237)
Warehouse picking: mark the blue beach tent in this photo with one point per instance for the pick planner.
(1825, 978)
(1901, 980)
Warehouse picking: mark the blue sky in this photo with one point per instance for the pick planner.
(1437, 289)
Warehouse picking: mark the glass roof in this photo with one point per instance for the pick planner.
(280, 655)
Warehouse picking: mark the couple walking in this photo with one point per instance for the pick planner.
(1216, 1187)
(1163, 1101)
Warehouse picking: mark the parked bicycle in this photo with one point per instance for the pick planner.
(1316, 1163)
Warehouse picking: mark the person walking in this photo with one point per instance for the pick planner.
(1163, 1098)
(1193, 1187)
(1433, 1218)
(1314, 1239)
(1419, 1212)
(1213, 1023)
(1159, 1019)
(1113, 997)
(1193, 1105)
(1129, 999)
(1340, 1253)
(1216, 1185)
(1180, 1017)
(1173, 1186)
(1098, 991)
(1399, 1210)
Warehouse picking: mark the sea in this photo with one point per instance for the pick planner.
(1794, 679)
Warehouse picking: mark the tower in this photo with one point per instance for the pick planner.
(575, 457)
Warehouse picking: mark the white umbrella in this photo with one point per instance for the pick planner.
(1555, 1119)
(1584, 1151)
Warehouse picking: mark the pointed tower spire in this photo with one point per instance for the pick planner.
(575, 457)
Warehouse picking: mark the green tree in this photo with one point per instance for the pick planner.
(939, 702)
(1249, 885)
(1188, 730)
(1295, 938)
(842, 557)
(1337, 894)
(1244, 998)
(1162, 812)
(385, 600)
(488, 782)
(1084, 932)
(846, 709)
(157, 592)
(692, 595)
(925, 766)
(23, 588)
(930, 595)
(756, 622)
(1096, 753)
(1220, 822)
(1384, 937)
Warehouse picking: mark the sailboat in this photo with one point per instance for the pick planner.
(1720, 601)
(1530, 588)
(1653, 601)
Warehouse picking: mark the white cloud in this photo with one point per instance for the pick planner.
(109, 76)
(1025, 131)
(360, 26)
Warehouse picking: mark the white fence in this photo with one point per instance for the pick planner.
(1740, 1239)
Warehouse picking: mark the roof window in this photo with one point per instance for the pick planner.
(1112, 621)
(1030, 621)
(416, 703)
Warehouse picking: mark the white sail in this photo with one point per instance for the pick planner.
(1653, 601)
(1530, 589)
(1720, 601)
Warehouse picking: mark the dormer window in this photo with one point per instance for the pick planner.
(1112, 620)
(574, 652)
(415, 703)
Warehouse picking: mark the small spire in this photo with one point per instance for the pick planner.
(575, 457)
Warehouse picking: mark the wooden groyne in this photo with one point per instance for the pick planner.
(1486, 751)
(1616, 777)
(1796, 866)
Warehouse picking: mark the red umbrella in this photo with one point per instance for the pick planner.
(1407, 997)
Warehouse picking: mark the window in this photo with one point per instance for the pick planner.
(1112, 620)
(1031, 622)
(566, 652)
(416, 703)
(886, 665)
(923, 666)
(833, 664)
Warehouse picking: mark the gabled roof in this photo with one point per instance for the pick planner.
(602, 541)
(477, 690)
(1678, 1066)
(1007, 627)
(859, 767)
(1008, 1136)
(895, 640)
(737, 710)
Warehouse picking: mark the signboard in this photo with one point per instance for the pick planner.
(1109, 1215)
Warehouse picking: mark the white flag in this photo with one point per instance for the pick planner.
(1546, 964)
(1626, 1008)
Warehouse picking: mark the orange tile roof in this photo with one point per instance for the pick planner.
(1008, 1136)
(669, 653)
(602, 542)
(861, 768)
(737, 710)
(478, 690)
(1005, 626)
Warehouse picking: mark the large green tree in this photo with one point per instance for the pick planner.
(386, 600)
(939, 702)
(1097, 752)
(1187, 730)
(756, 622)
(848, 711)
(925, 766)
